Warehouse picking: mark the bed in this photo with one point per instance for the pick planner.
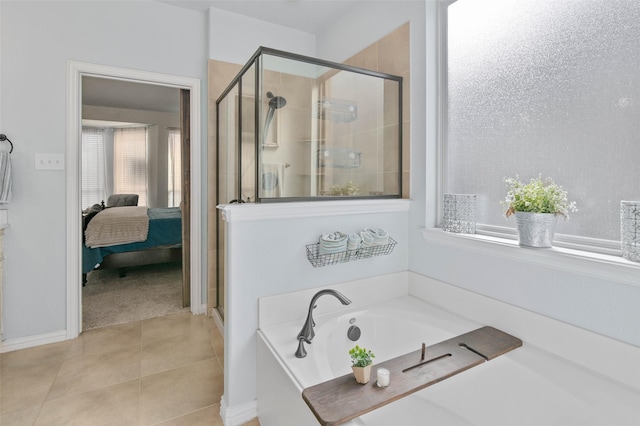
(163, 243)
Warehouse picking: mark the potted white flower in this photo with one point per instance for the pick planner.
(536, 206)
(361, 360)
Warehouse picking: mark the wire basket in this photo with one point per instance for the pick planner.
(318, 260)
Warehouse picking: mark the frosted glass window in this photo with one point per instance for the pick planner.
(546, 87)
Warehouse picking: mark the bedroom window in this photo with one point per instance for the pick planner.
(94, 180)
(543, 87)
(130, 162)
(174, 172)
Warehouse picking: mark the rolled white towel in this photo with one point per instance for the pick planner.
(333, 243)
(334, 239)
(354, 241)
(367, 238)
(380, 236)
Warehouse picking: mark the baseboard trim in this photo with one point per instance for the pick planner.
(11, 345)
(199, 310)
(237, 415)
(218, 320)
(31, 341)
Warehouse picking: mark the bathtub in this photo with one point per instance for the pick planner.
(528, 386)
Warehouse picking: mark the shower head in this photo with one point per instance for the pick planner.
(276, 102)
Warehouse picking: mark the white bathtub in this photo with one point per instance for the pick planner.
(528, 386)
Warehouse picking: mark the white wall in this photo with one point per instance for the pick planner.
(38, 38)
(234, 38)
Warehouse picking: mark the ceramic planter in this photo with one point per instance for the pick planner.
(535, 229)
(362, 374)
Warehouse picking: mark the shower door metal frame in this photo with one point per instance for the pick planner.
(343, 67)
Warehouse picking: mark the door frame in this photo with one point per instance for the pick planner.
(75, 72)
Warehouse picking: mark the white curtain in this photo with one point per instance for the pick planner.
(94, 178)
(130, 163)
(174, 185)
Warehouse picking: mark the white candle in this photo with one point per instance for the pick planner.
(383, 377)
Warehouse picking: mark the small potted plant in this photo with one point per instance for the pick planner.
(361, 360)
(536, 206)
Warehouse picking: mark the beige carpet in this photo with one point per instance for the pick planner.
(145, 292)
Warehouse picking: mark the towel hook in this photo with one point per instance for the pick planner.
(3, 138)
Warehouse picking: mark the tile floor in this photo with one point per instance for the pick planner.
(161, 371)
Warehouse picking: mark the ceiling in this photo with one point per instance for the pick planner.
(311, 16)
(126, 94)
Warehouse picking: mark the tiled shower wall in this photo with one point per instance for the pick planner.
(390, 55)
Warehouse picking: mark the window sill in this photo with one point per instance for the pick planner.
(595, 265)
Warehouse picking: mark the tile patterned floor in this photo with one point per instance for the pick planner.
(162, 371)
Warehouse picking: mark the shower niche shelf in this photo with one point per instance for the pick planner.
(319, 260)
(336, 110)
(339, 158)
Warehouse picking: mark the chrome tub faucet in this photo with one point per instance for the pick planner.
(307, 334)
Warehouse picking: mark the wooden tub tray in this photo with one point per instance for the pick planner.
(342, 399)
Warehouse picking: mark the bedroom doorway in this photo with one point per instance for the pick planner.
(134, 149)
(148, 90)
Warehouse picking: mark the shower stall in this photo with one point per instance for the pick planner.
(296, 128)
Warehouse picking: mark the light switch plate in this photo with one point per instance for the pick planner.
(44, 161)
